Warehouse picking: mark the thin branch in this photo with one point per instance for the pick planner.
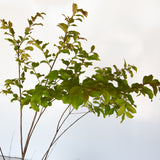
(79, 113)
(32, 128)
(2, 153)
(70, 112)
(57, 130)
(71, 125)
(10, 148)
(29, 134)
(41, 113)
(56, 139)
(62, 117)
(20, 96)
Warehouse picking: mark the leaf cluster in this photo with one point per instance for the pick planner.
(106, 92)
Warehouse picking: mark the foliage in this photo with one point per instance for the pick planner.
(106, 92)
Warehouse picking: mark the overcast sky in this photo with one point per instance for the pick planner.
(120, 29)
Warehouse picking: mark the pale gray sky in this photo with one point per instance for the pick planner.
(120, 29)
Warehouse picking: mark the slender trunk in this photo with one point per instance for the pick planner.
(20, 102)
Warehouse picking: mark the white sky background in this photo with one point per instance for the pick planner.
(120, 29)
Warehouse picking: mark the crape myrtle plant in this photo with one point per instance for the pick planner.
(107, 92)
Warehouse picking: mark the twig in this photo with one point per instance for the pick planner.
(57, 130)
(11, 144)
(2, 153)
(70, 126)
(56, 139)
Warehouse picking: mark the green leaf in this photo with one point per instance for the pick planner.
(111, 111)
(10, 40)
(66, 99)
(30, 48)
(92, 48)
(74, 8)
(44, 102)
(26, 100)
(35, 64)
(65, 51)
(121, 110)
(125, 64)
(86, 64)
(11, 30)
(34, 106)
(155, 90)
(63, 26)
(94, 93)
(147, 79)
(85, 96)
(76, 96)
(134, 67)
(120, 102)
(44, 45)
(146, 90)
(95, 56)
(58, 92)
(129, 115)
(52, 75)
(106, 96)
(79, 19)
(130, 98)
(27, 30)
(65, 62)
(130, 108)
(123, 117)
(107, 109)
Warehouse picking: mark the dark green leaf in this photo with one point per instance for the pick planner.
(85, 96)
(92, 48)
(35, 64)
(53, 75)
(134, 67)
(95, 56)
(65, 62)
(107, 109)
(130, 98)
(11, 30)
(146, 90)
(111, 111)
(44, 45)
(155, 90)
(147, 79)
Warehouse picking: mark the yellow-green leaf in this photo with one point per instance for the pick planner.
(106, 96)
(129, 115)
(30, 48)
(76, 96)
(63, 26)
(121, 110)
(130, 108)
(74, 8)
